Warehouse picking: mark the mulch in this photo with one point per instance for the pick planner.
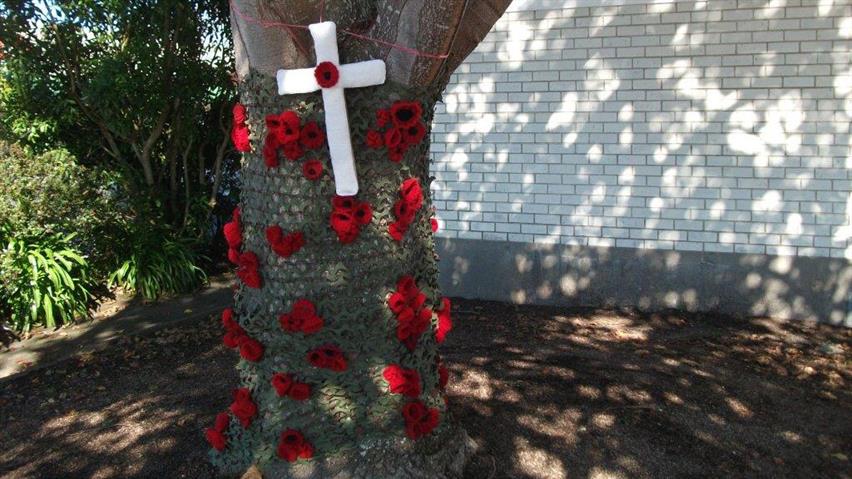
(545, 392)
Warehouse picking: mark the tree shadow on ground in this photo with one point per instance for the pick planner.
(546, 392)
(551, 392)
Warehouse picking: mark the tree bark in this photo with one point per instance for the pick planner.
(352, 419)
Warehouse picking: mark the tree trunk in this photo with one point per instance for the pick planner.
(352, 419)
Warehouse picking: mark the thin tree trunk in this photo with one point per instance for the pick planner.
(352, 419)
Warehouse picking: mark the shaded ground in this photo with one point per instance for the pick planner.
(546, 392)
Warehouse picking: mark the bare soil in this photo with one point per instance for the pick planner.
(547, 393)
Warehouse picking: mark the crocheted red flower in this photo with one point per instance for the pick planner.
(406, 208)
(397, 153)
(328, 356)
(282, 383)
(443, 376)
(326, 74)
(414, 134)
(445, 322)
(285, 385)
(284, 245)
(240, 131)
(312, 169)
(248, 269)
(348, 215)
(270, 152)
(250, 349)
(302, 318)
(363, 213)
(312, 136)
(293, 446)
(383, 116)
(374, 139)
(293, 151)
(402, 381)
(290, 128)
(408, 304)
(232, 232)
(406, 113)
(393, 137)
(419, 420)
(243, 407)
(434, 223)
(216, 434)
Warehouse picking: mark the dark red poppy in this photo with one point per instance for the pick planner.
(402, 380)
(328, 356)
(312, 169)
(346, 203)
(233, 234)
(239, 113)
(404, 212)
(326, 74)
(393, 137)
(374, 139)
(397, 153)
(445, 322)
(270, 152)
(243, 407)
(293, 446)
(406, 113)
(248, 269)
(223, 421)
(312, 136)
(419, 420)
(240, 137)
(290, 128)
(216, 439)
(293, 151)
(397, 230)
(344, 224)
(302, 318)
(382, 117)
(434, 223)
(414, 134)
(228, 321)
(443, 376)
(251, 349)
(412, 193)
(300, 391)
(282, 383)
(363, 213)
(233, 255)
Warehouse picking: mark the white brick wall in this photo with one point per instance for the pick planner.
(718, 125)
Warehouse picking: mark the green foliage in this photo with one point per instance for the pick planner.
(51, 193)
(138, 88)
(44, 280)
(158, 265)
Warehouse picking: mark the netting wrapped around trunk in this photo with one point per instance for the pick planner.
(371, 374)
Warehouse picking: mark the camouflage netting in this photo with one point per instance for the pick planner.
(349, 284)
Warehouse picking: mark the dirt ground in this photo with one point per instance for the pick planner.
(547, 393)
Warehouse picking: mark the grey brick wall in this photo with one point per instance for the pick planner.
(715, 126)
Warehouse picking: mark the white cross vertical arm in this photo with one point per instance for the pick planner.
(352, 75)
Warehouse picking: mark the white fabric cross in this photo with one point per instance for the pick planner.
(352, 75)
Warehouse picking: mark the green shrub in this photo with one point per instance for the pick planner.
(50, 193)
(157, 265)
(44, 280)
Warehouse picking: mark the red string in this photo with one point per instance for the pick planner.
(270, 24)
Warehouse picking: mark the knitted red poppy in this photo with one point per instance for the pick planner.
(328, 356)
(406, 113)
(293, 446)
(302, 318)
(326, 74)
(243, 407)
(312, 136)
(419, 420)
(312, 169)
(402, 381)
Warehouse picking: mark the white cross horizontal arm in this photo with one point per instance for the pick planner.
(294, 82)
(361, 74)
